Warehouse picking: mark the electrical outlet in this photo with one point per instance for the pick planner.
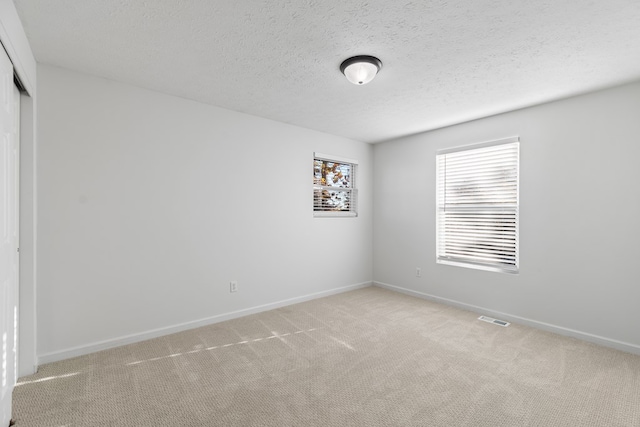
(233, 286)
(418, 272)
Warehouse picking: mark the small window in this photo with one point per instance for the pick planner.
(334, 186)
(477, 206)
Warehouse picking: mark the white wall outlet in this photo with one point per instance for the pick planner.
(233, 286)
(418, 272)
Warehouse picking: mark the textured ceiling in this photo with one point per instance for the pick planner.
(445, 61)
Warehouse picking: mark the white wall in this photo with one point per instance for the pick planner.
(150, 204)
(579, 218)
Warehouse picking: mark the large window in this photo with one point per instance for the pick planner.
(477, 206)
(334, 186)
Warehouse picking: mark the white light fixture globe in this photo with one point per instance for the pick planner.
(360, 70)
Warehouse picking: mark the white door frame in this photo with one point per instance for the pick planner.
(9, 233)
(14, 40)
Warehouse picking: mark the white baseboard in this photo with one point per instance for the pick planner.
(155, 333)
(596, 339)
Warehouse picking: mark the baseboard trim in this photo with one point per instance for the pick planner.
(584, 336)
(155, 333)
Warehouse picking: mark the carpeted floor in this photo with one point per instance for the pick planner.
(370, 357)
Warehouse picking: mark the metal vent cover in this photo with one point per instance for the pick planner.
(494, 321)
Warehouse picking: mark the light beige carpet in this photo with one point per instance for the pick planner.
(370, 357)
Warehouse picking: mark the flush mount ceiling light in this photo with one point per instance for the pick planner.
(360, 70)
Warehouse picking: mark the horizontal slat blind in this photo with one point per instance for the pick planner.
(334, 190)
(477, 203)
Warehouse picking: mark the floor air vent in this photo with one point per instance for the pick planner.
(494, 321)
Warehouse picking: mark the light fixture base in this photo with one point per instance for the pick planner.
(360, 69)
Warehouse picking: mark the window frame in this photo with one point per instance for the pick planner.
(509, 207)
(353, 190)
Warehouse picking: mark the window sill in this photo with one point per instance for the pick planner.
(336, 214)
(495, 269)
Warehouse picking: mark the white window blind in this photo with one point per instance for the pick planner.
(334, 186)
(477, 206)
